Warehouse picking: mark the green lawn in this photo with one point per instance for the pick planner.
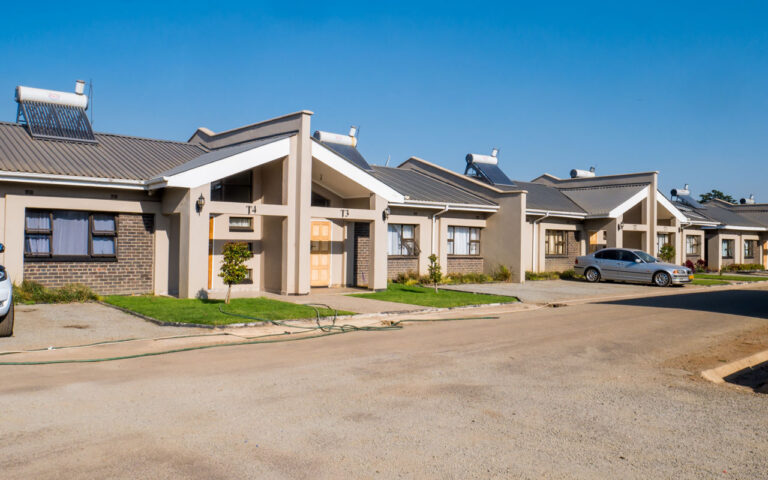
(427, 297)
(728, 278)
(708, 281)
(190, 310)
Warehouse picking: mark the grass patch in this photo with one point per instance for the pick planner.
(708, 281)
(728, 278)
(206, 312)
(415, 295)
(30, 292)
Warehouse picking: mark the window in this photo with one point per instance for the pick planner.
(463, 241)
(248, 280)
(555, 242)
(627, 256)
(608, 255)
(319, 200)
(728, 248)
(692, 245)
(661, 240)
(749, 248)
(400, 239)
(240, 224)
(237, 188)
(70, 235)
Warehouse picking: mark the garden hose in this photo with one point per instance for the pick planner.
(325, 330)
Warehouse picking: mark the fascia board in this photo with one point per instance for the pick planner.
(669, 206)
(367, 181)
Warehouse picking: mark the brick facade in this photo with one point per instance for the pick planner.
(464, 264)
(131, 273)
(397, 265)
(560, 263)
(362, 253)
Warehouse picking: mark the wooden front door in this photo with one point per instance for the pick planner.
(320, 255)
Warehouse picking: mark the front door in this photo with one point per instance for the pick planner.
(320, 255)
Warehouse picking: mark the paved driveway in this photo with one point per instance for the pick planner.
(552, 291)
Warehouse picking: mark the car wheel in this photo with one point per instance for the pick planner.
(592, 275)
(662, 279)
(6, 324)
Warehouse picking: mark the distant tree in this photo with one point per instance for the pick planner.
(705, 197)
(667, 253)
(233, 269)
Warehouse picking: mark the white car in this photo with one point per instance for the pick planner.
(6, 301)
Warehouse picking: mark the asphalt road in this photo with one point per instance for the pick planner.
(584, 391)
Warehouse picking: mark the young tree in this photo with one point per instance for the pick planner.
(233, 269)
(705, 197)
(667, 253)
(435, 272)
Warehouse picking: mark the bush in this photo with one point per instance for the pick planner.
(542, 276)
(458, 278)
(502, 274)
(30, 292)
(689, 265)
(701, 265)
(405, 278)
(742, 267)
(667, 253)
(568, 275)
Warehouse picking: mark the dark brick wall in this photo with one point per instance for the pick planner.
(560, 263)
(362, 253)
(397, 265)
(462, 264)
(131, 273)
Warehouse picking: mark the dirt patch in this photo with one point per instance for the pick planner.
(79, 327)
(722, 350)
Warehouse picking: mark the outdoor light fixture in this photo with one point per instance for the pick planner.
(200, 203)
(385, 214)
(620, 226)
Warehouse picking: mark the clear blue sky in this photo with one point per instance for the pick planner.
(653, 86)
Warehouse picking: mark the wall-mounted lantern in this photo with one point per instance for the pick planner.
(200, 203)
(385, 214)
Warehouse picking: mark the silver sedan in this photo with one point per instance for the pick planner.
(630, 265)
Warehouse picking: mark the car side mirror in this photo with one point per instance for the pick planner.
(637, 260)
(2, 248)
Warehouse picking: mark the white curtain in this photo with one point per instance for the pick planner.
(461, 241)
(393, 239)
(70, 233)
(103, 223)
(103, 245)
(38, 221)
(37, 244)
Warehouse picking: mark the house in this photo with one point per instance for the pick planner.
(722, 233)
(544, 224)
(129, 215)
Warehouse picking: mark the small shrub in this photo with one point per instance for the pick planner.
(542, 276)
(233, 269)
(502, 274)
(30, 292)
(435, 272)
(742, 267)
(701, 265)
(568, 275)
(689, 265)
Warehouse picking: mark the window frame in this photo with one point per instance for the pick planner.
(51, 256)
(723, 249)
(235, 228)
(753, 245)
(562, 243)
(697, 244)
(451, 247)
(406, 244)
(659, 236)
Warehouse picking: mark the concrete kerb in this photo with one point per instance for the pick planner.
(717, 375)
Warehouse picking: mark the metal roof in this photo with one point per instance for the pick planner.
(115, 156)
(420, 187)
(221, 153)
(728, 217)
(755, 213)
(544, 197)
(600, 200)
(349, 153)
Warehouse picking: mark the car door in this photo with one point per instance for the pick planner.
(607, 260)
(633, 268)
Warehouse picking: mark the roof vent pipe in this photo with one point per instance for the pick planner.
(495, 152)
(80, 87)
(748, 201)
(353, 131)
(576, 173)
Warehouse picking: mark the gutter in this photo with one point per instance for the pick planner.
(53, 179)
(464, 207)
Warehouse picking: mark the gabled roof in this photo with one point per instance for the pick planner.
(114, 157)
(347, 152)
(720, 212)
(544, 197)
(605, 200)
(420, 187)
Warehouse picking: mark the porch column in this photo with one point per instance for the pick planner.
(162, 249)
(193, 244)
(377, 268)
(614, 236)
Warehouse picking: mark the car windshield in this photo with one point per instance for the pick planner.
(646, 258)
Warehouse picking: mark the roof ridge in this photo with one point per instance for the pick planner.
(598, 187)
